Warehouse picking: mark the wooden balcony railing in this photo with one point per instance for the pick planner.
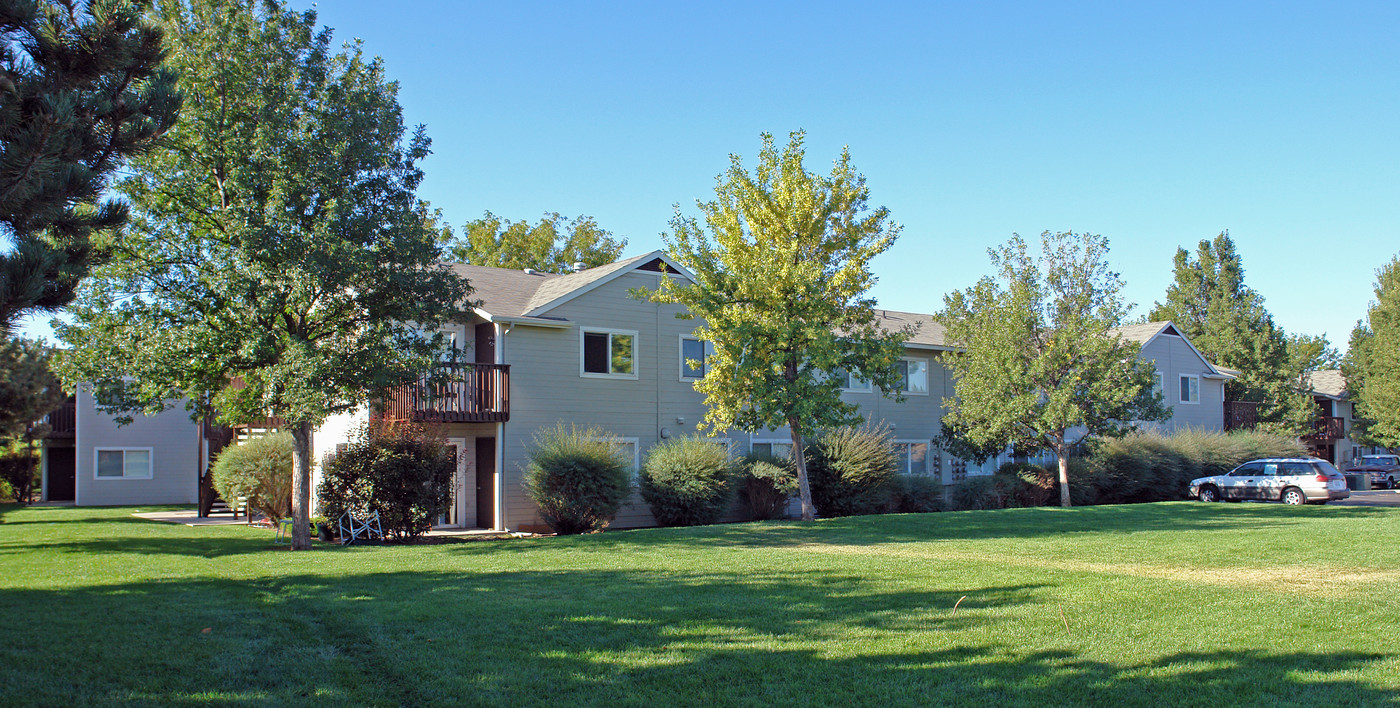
(64, 420)
(471, 393)
(1241, 415)
(1328, 427)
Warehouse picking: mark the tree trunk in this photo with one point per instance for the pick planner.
(804, 490)
(301, 486)
(1062, 454)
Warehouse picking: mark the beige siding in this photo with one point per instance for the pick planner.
(175, 462)
(1174, 357)
(547, 389)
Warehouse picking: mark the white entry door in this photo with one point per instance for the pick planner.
(456, 511)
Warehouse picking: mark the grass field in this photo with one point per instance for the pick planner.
(1162, 604)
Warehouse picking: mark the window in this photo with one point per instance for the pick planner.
(775, 448)
(1159, 387)
(1190, 388)
(626, 449)
(698, 352)
(123, 463)
(1252, 469)
(851, 381)
(913, 376)
(608, 352)
(912, 456)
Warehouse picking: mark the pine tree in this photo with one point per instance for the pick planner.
(1226, 319)
(81, 90)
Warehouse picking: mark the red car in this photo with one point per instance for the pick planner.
(1384, 469)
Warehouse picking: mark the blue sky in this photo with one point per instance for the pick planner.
(1154, 124)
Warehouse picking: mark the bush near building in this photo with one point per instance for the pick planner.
(577, 478)
(687, 481)
(402, 471)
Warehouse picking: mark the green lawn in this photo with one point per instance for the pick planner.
(1163, 604)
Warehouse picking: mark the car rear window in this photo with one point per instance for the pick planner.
(1298, 468)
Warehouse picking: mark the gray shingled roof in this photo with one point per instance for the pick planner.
(1328, 382)
(503, 292)
(930, 334)
(555, 288)
(1140, 333)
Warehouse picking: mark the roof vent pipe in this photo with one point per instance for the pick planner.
(578, 266)
(531, 271)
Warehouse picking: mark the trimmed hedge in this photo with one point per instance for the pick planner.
(917, 494)
(687, 481)
(577, 479)
(852, 471)
(766, 485)
(402, 471)
(260, 470)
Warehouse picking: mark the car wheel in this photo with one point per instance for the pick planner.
(1208, 494)
(1294, 496)
(1390, 483)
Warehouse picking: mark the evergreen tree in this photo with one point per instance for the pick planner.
(280, 243)
(783, 267)
(1037, 356)
(1226, 319)
(1372, 363)
(551, 246)
(81, 90)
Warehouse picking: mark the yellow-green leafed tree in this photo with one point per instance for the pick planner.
(781, 266)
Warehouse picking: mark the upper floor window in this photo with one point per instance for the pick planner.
(1190, 388)
(913, 375)
(123, 463)
(608, 352)
(697, 352)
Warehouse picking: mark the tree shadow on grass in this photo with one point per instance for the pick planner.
(585, 637)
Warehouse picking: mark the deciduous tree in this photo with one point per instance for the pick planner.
(1372, 364)
(550, 246)
(782, 275)
(81, 90)
(279, 246)
(1038, 363)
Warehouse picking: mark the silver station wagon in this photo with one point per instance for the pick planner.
(1295, 480)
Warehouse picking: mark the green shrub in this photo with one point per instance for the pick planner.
(687, 481)
(260, 470)
(766, 485)
(917, 494)
(851, 471)
(1148, 466)
(976, 493)
(1025, 484)
(577, 479)
(404, 472)
(19, 472)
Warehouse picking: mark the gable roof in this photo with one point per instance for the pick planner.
(1144, 333)
(526, 295)
(1326, 382)
(931, 334)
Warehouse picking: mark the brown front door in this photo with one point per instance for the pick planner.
(486, 483)
(485, 343)
(62, 473)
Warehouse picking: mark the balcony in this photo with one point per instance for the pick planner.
(1241, 415)
(64, 420)
(1327, 427)
(470, 393)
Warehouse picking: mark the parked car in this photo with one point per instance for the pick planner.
(1289, 480)
(1383, 469)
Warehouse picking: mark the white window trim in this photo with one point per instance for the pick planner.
(150, 469)
(851, 376)
(636, 451)
(768, 441)
(681, 356)
(928, 451)
(1162, 384)
(927, 370)
(636, 360)
(1196, 402)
